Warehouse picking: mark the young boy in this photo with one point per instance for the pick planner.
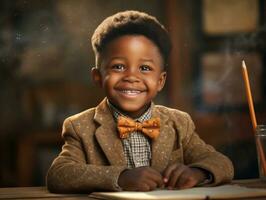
(127, 142)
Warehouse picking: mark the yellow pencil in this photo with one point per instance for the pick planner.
(252, 113)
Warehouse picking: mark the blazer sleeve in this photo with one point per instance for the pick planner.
(70, 172)
(199, 154)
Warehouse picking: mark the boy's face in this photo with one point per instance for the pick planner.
(130, 73)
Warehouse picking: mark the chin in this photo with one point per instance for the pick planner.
(131, 108)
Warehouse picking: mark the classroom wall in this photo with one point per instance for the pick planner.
(45, 75)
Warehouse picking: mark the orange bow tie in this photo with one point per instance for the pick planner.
(149, 127)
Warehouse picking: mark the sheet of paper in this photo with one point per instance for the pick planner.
(219, 192)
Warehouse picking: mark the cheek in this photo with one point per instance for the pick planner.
(109, 81)
(106, 81)
(153, 84)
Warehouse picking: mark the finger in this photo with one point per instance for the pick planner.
(144, 187)
(147, 185)
(167, 172)
(158, 181)
(157, 178)
(154, 176)
(185, 181)
(176, 173)
(152, 185)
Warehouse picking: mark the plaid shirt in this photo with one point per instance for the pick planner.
(137, 147)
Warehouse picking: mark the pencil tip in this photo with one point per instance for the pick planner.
(243, 63)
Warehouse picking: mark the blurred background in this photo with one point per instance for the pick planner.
(46, 57)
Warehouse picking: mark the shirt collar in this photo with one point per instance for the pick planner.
(116, 113)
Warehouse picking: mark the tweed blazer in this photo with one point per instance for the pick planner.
(92, 156)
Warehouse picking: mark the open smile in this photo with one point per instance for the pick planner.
(130, 92)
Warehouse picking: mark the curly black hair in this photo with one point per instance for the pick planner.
(131, 23)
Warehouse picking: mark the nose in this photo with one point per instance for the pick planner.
(131, 75)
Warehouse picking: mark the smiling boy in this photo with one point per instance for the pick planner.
(127, 142)
(130, 73)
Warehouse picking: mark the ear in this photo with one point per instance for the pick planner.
(162, 80)
(96, 76)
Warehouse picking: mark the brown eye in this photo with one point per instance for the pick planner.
(118, 67)
(145, 68)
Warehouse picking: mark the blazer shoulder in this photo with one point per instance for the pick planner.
(180, 119)
(171, 112)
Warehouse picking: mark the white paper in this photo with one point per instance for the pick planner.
(218, 192)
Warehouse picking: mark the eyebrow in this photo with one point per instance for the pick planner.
(147, 60)
(117, 57)
(142, 59)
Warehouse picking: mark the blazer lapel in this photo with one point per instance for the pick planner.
(106, 135)
(163, 145)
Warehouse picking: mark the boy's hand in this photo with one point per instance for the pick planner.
(140, 179)
(181, 176)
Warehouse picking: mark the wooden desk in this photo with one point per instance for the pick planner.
(37, 193)
(42, 193)
(252, 183)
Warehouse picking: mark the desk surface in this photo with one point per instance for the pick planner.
(42, 193)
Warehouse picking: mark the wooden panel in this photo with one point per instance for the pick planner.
(227, 16)
(27, 155)
(180, 25)
(222, 81)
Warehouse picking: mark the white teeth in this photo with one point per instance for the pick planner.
(131, 91)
